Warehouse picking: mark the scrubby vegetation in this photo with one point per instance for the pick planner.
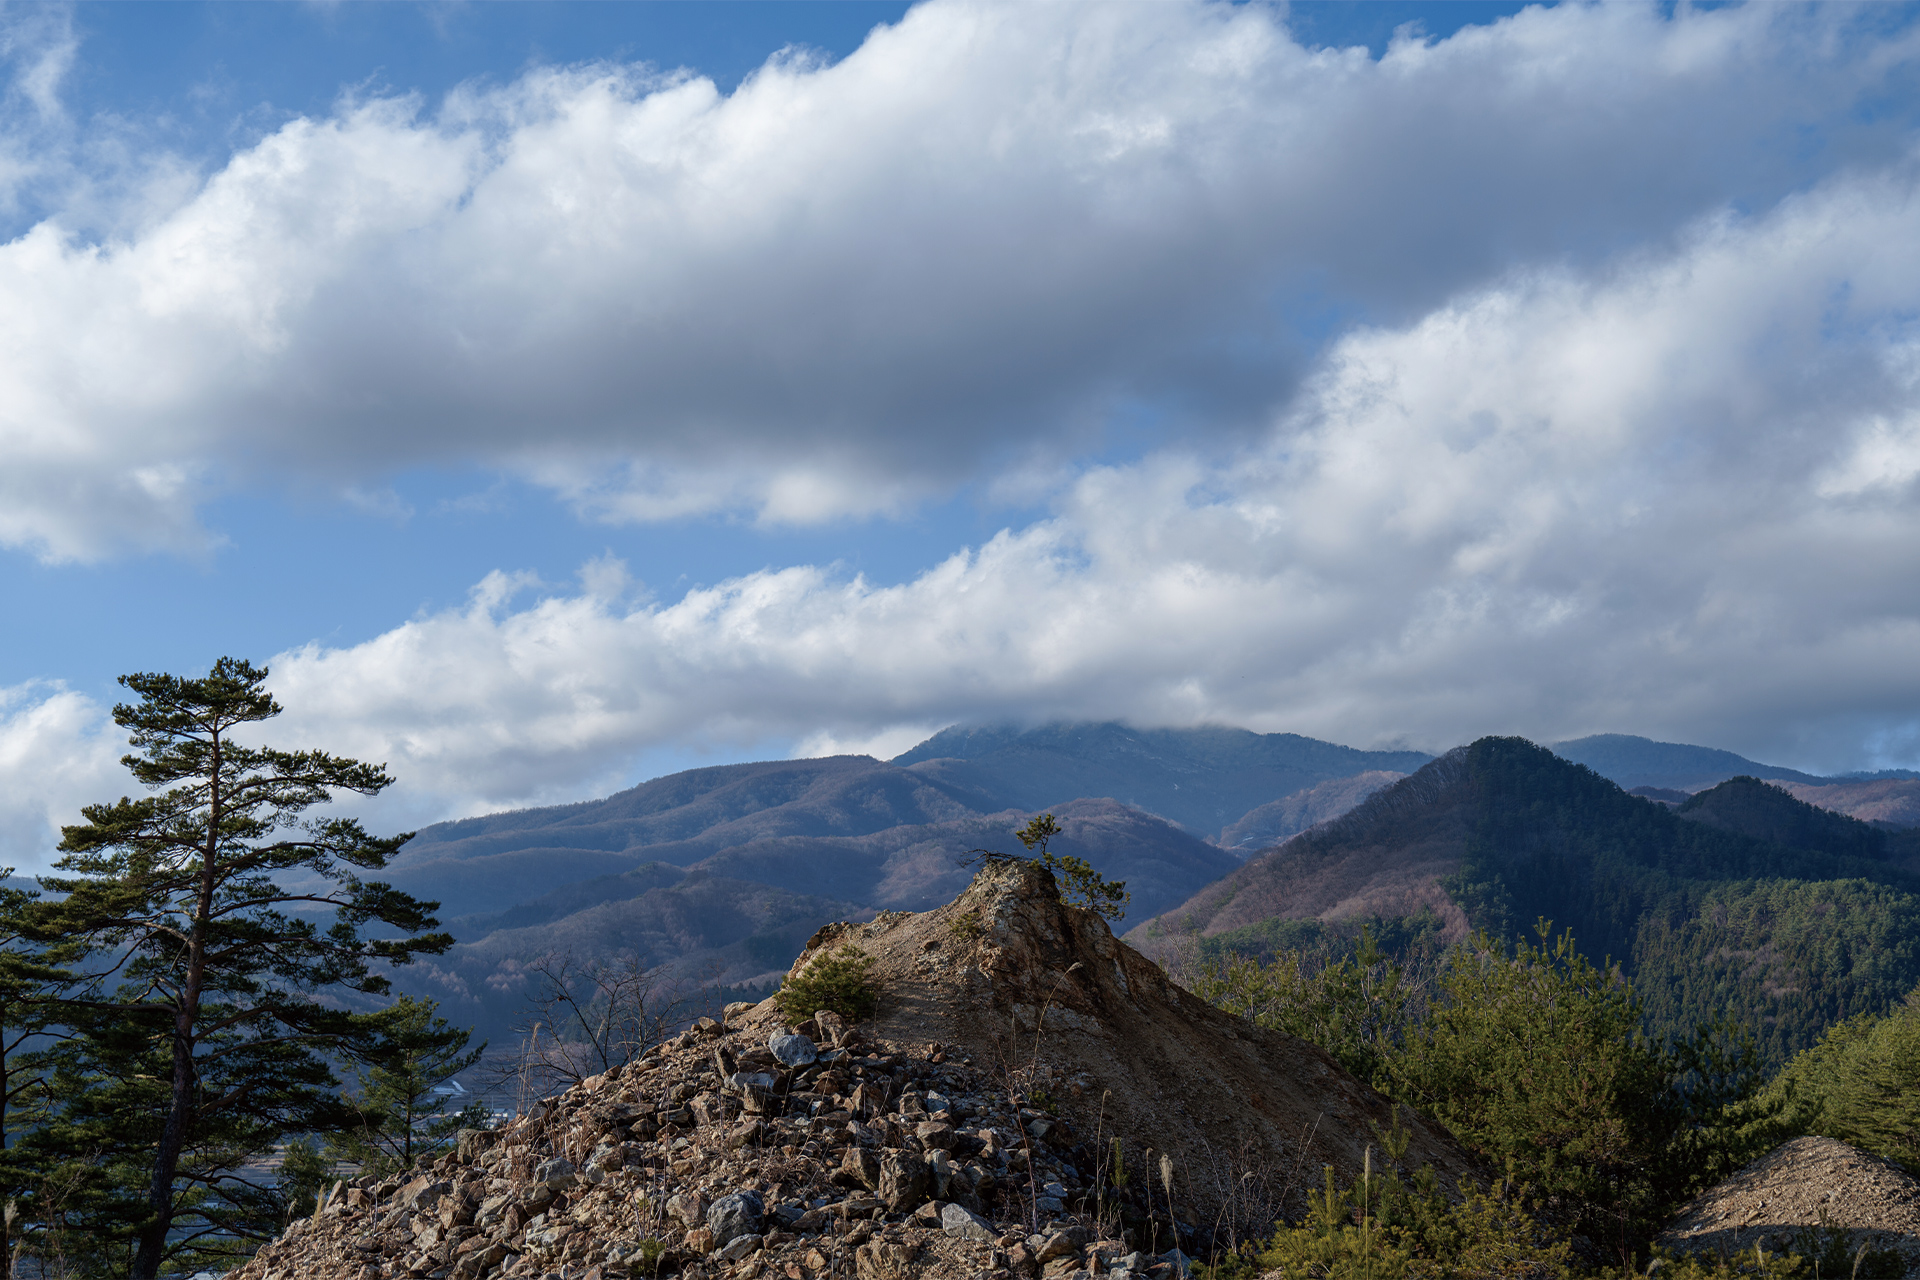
(1860, 1084)
(1536, 1059)
(1543, 1064)
(839, 980)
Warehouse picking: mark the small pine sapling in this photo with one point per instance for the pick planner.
(1080, 884)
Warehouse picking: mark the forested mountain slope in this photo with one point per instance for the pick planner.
(1789, 932)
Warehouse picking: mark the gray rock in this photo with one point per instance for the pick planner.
(940, 1165)
(688, 1208)
(422, 1194)
(738, 1248)
(1054, 1244)
(957, 1221)
(740, 1081)
(471, 1142)
(862, 1166)
(556, 1173)
(793, 1051)
(736, 1215)
(904, 1182)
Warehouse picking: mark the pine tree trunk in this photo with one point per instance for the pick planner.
(173, 1139)
(166, 1161)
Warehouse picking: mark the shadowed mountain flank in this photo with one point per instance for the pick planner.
(700, 811)
(1750, 807)
(1641, 762)
(1268, 825)
(1740, 899)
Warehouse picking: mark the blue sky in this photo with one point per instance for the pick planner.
(558, 394)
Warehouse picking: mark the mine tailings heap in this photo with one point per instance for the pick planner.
(968, 1129)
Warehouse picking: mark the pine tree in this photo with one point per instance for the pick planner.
(31, 982)
(403, 1119)
(216, 970)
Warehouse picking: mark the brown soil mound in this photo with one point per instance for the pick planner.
(1026, 986)
(1805, 1183)
(966, 1132)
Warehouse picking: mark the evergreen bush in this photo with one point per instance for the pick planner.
(838, 980)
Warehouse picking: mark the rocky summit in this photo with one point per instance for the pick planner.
(1033, 1099)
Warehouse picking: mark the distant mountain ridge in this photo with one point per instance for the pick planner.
(1641, 762)
(1742, 900)
(723, 871)
(1203, 779)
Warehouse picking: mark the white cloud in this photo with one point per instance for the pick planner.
(1661, 482)
(1569, 503)
(59, 751)
(842, 289)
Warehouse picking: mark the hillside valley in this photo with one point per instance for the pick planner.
(718, 874)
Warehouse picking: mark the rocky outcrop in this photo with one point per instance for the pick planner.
(709, 1158)
(1044, 994)
(1035, 1100)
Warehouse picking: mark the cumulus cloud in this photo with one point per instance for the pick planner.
(1675, 495)
(59, 750)
(842, 288)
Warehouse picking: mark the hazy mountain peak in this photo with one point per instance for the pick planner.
(1633, 761)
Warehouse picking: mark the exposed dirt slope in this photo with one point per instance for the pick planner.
(1047, 992)
(1799, 1185)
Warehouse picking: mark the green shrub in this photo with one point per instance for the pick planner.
(838, 980)
(1537, 1061)
(1384, 1228)
(1860, 1084)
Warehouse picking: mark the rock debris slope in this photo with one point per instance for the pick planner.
(1805, 1183)
(967, 1131)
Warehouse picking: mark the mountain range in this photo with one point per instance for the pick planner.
(1740, 902)
(719, 874)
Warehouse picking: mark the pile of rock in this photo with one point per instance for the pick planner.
(1023, 1062)
(729, 1153)
(1801, 1187)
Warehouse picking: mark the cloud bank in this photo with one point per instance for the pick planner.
(1676, 496)
(957, 253)
(1613, 425)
